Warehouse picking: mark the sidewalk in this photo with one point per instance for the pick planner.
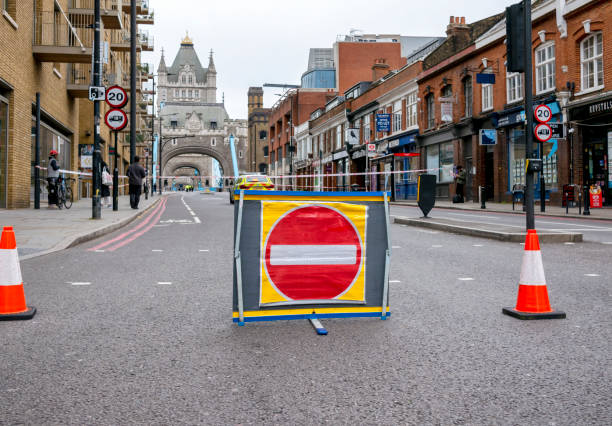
(44, 231)
(555, 211)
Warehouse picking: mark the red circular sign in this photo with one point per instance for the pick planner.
(313, 253)
(116, 119)
(542, 132)
(542, 113)
(116, 96)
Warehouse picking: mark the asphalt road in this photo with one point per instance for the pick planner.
(140, 332)
(593, 230)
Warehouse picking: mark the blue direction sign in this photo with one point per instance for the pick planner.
(383, 122)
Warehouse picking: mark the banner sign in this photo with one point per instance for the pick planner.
(308, 255)
(383, 122)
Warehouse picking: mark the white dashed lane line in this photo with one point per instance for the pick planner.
(395, 281)
(99, 251)
(592, 275)
(204, 250)
(164, 282)
(465, 279)
(436, 246)
(78, 283)
(569, 243)
(396, 247)
(157, 250)
(476, 245)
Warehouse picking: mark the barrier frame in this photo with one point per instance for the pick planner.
(348, 309)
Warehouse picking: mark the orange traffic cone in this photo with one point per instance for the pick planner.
(12, 299)
(532, 302)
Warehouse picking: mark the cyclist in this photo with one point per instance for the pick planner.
(52, 176)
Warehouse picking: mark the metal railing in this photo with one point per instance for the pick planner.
(89, 4)
(55, 29)
(79, 74)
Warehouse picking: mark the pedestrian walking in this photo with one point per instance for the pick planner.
(107, 181)
(136, 174)
(460, 178)
(52, 176)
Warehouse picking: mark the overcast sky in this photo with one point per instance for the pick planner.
(257, 42)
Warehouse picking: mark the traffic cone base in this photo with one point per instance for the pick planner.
(533, 315)
(12, 298)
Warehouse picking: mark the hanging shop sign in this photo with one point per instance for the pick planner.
(487, 137)
(383, 122)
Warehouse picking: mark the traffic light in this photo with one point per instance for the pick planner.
(515, 38)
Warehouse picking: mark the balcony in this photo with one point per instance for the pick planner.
(146, 41)
(146, 19)
(58, 39)
(110, 11)
(127, 6)
(79, 79)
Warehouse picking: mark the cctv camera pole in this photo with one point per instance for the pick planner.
(529, 195)
(96, 206)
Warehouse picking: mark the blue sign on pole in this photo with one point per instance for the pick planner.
(155, 158)
(383, 122)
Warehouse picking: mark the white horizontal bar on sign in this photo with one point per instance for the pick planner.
(313, 254)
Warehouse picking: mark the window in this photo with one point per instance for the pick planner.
(265, 151)
(487, 97)
(213, 142)
(213, 125)
(339, 137)
(240, 154)
(467, 96)
(262, 134)
(545, 67)
(173, 124)
(366, 128)
(190, 79)
(440, 161)
(196, 93)
(182, 93)
(176, 93)
(431, 115)
(189, 94)
(591, 60)
(397, 116)
(514, 87)
(183, 79)
(411, 109)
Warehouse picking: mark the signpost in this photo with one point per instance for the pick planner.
(116, 120)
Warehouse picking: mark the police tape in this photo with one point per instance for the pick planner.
(73, 172)
(317, 175)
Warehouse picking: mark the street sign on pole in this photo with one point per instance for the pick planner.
(542, 113)
(116, 97)
(116, 119)
(371, 147)
(96, 93)
(543, 132)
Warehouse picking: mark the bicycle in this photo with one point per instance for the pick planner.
(64, 193)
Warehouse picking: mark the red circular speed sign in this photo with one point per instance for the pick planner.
(542, 113)
(116, 97)
(313, 253)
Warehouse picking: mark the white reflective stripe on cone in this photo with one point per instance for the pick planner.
(10, 272)
(313, 254)
(532, 269)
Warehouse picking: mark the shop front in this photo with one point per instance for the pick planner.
(341, 162)
(438, 151)
(405, 184)
(592, 123)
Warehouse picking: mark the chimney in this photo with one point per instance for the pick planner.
(379, 69)
(457, 27)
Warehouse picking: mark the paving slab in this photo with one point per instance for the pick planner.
(43, 231)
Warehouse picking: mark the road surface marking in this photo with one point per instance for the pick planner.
(465, 279)
(592, 275)
(164, 282)
(476, 245)
(203, 250)
(99, 251)
(574, 224)
(474, 215)
(607, 242)
(427, 232)
(436, 246)
(569, 243)
(395, 281)
(313, 254)
(580, 230)
(196, 220)
(488, 223)
(175, 221)
(157, 250)
(396, 247)
(192, 212)
(79, 283)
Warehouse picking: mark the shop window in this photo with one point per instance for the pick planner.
(591, 59)
(431, 115)
(514, 87)
(545, 67)
(516, 157)
(397, 116)
(467, 96)
(411, 110)
(487, 97)
(440, 161)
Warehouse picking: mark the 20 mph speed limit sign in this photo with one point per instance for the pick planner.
(542, 113)
(116, 97)
(116, 119)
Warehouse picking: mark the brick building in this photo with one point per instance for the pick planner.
(258, 131)
(47, 49)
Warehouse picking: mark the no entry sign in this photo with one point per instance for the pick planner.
(312, 252)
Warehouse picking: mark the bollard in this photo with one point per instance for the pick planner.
(587, 207)
(579, 202)
(483, 194)
(566, 203)
(542, 194)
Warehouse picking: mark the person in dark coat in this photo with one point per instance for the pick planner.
(106, 187)
(136, 174)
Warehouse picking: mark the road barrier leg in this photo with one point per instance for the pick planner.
(321, 331)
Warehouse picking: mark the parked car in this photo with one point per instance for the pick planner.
(257, 182)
